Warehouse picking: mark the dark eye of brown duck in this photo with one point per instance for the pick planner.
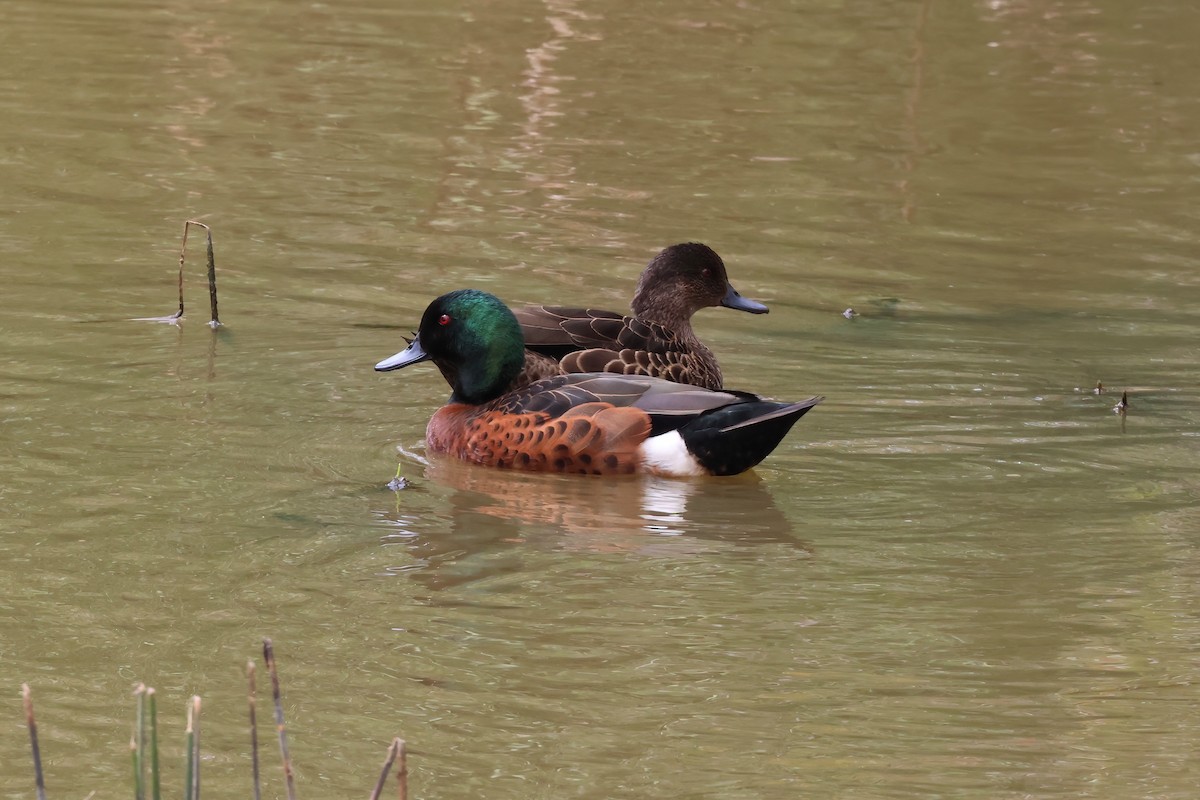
(444, 319)
(706, 273)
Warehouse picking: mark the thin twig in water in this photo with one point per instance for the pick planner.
(1122, 407)
(253, 728)
(190, 756)
(155, 786)
(402, 770)
(138, 744)
(387, 767)
(213, 272)
(175, 318)
(196, 746)
(27, 697)
(269, 657)
(215, 322)
(182, 251)
(133, 762)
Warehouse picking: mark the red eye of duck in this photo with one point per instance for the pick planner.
(444, 319)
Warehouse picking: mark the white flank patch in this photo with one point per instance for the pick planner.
(666, 454)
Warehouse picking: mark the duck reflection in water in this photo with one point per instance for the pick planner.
(480, 511)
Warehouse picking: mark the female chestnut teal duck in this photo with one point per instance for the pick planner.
(596, 423)
(657, 340)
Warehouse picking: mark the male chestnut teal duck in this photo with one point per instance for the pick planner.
(657, 340)
(597, 423)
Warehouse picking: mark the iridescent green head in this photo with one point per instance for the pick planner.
(473, 339)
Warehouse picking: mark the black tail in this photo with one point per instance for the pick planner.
(735, 438)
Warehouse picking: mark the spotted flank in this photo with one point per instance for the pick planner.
(591, 439)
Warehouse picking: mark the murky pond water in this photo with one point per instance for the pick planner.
(961, 576)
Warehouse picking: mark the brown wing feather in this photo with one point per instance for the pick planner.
(556, 326)
(537, 366)
(590, 340)
(592, 328)
(694, 368)
(556, 396)
(542, 325)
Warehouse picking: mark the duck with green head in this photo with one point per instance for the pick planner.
(596, 423)
(657, 341)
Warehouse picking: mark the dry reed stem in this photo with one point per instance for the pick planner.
(253, 728)
(138, 743)
(387, 767)
(402, 770)
(269, 657)
(27, 698)
(196, 745)
(155, 786)
(215, 322)
(190, 758)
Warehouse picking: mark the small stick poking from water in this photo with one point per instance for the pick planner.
(138, 744)
(155, 785)
(196, 745)
(215, 322)
(402, 769)
(189, 753)
(191, 786)
(173, 319)
(269, 657)
(27, 697)
(253, 728)
(1123, 406)
(395, 747)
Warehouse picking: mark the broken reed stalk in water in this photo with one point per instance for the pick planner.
(212, 282)
(402, 770)
(396, 748)
(253, 728)
(191, 765)
(215, 322)
(138, 743)
(269, 657)
(27, 698)
(133, 762)
(195, 784)
(155, 786)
